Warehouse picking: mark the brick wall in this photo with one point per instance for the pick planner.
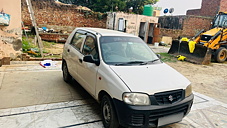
(194, 24)
(58, 16)
(210, 7)
(191, 26)
(195, 12)
(174, 33)
(223, 6)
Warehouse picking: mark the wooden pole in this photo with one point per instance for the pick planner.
(30, 10)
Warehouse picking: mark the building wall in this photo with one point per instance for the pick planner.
(132, 21)
(210, 7)
(10, 36)
(194, 24)
(223, 5)
(60, 16)
(195, 12)
(191, 26)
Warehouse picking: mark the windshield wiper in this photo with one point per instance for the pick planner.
(132, 62)
(154, 60)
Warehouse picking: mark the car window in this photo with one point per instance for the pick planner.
(77, 40)
(90, 47)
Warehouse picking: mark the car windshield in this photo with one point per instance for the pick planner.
(120, 50)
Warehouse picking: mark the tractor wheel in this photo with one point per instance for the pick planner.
(220, 55)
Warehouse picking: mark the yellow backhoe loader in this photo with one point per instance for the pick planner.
(205, 46)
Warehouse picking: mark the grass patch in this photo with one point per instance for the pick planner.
(28, 46)
(165, 57)
(47, 44)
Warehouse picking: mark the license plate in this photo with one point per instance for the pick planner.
(170, 119)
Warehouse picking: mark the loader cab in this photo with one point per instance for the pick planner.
(220, 20)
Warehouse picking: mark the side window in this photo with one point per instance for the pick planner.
(90, 47)
(77, 40)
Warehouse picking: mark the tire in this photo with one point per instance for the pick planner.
(109, 117)
(66, 76)
(220, 55)
(225, 46)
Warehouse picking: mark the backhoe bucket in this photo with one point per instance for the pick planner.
(201, 54)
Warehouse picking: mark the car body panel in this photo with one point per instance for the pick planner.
(152, 78)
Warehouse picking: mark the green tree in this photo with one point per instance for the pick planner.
(112, 5)
(138, 5)
(107, 5)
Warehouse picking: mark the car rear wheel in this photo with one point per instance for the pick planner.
(220, 55)
(109, 117)
(66, 76)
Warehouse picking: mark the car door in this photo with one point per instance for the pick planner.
(75, 51)
(88, 71)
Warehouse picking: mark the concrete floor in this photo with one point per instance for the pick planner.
(32, 96)
(30, 84)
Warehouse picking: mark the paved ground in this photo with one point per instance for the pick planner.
(32, 96)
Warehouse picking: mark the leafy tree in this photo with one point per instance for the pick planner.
(138, 5)
(112, 5)
(108, 5)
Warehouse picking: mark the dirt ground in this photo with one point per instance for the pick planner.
(56, 49)
(210, 80)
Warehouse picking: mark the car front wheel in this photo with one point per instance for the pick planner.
(109, 117)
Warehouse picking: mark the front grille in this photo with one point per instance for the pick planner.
(137, 119)
(169, 97)
(206, 37)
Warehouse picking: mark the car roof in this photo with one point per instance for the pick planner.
(105, 32)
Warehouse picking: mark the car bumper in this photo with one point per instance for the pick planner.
(150, 116)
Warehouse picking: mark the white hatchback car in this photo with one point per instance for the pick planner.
(134, 87)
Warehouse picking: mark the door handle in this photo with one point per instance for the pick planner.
(80, 60)
(68, 50)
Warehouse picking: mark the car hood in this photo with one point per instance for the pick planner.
(151, 78)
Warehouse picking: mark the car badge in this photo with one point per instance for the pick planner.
(170, 98)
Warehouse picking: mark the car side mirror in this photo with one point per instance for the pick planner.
(90, 59)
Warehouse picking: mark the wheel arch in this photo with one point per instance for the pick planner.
(101, 94)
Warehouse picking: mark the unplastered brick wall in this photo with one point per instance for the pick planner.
(194, 24)
(195, 12)
(191, 26)
(50, 13)
(209, 8)
(223, 5)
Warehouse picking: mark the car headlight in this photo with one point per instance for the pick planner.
(188, 91)
(136, 98)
